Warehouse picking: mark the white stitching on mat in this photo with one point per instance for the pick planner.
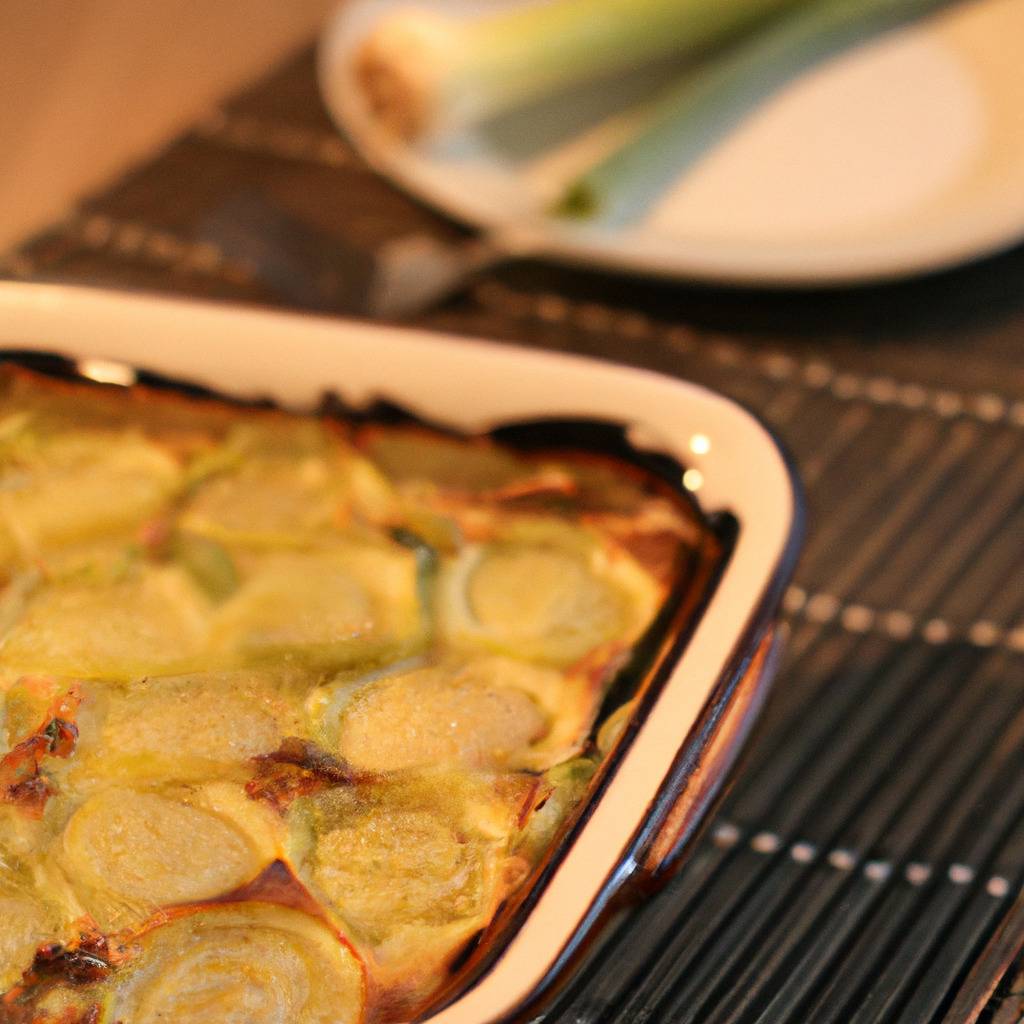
(998, 887)
(824, 608)
(916, 873)
(133, 240)
(856, 618)
(727, 834)
(803, 852)
(877, 870)
(960, 874)
(816, 374)
(274, 138)
(766, 842)
(842, 859)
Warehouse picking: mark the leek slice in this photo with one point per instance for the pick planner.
(208, 562)
(545, 592)
(408, 867)
(129, 852)
(246, 963)
(413, 869)
(566, 785)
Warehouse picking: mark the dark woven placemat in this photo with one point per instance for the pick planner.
(866, 866)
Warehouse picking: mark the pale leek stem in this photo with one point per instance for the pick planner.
(711, 100)
(426, 72)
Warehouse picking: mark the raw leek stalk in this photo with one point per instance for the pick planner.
(425, 72)
(710, 101)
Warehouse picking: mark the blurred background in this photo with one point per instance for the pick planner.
(90, 86)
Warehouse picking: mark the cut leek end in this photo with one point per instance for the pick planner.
(399, 67)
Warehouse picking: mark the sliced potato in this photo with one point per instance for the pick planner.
(128, 851)
(543, 593)
(244, 963)
(15, 596)
(486, 713)
(264, 505)
(24, 835)
(418, 456)
(274, 483)
(99, 562)
(429, 719)
(188, 728)
(155, 620)
(76, 485)
(344, 605)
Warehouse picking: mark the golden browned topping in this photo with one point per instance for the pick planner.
(289, 708)
(23, 782)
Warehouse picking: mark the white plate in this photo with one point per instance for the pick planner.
(902, 156)
(294, 359)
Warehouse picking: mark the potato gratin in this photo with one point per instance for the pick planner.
(290, 706)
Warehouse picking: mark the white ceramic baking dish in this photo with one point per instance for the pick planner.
(664, 778)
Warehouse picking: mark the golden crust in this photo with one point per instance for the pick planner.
(291, 691)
